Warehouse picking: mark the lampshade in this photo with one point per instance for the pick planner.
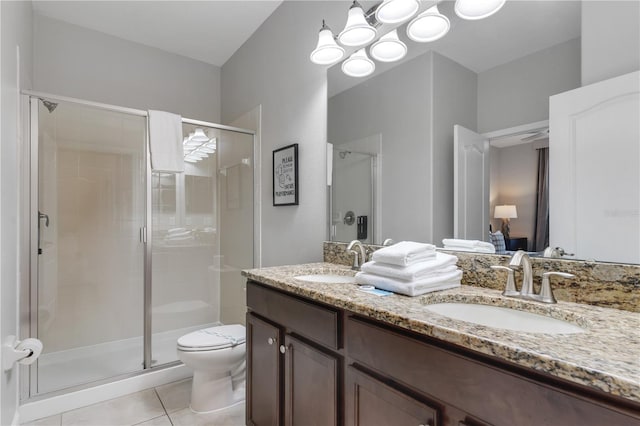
(505, 212)
(357, 32)
(389, 48)
(212, 143)
(358, 65)
(395, 11)
(199, 136)
(477, 9)
(191, 158)
(206, 149)
(430, 25)
(327, 50)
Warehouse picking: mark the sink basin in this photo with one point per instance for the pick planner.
(504, 318)
(327, 278)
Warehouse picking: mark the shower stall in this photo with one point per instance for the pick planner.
(123, 260)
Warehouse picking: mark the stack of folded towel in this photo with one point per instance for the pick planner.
(468, 245)
(410, 268)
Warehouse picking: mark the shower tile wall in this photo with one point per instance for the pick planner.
(99, 254)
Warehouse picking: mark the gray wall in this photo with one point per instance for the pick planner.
(455, 91)
(272, 69)
(81, 63)
(610, 39)
(518, 92)
(15, 27)
(397, 105)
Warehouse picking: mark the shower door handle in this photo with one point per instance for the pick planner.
(45, 217)
(46, 224)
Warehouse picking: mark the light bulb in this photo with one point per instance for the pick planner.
(396, 11)
(430, 25)
(388, 48)
(358, 31)
(358, 65)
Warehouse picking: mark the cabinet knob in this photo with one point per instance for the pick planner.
(271, 340)
(283, 349)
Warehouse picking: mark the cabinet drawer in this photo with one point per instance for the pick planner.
(484, 391)
(317, 323)
(371, 402)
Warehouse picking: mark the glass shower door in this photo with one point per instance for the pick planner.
(90, 268)
(202, 223)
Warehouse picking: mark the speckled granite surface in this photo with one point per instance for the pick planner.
(608, 285)
(606, 356)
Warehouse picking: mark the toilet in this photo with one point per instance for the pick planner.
(217, 357)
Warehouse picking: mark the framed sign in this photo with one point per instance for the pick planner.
(285, 176)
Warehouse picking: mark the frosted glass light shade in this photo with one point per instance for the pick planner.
(358, 65)
(212, 143)
(357, 32)
(388, 48)
(327, 50)
(477, 9)
(430, 25)
(199, 136)
(395, 11)
(505, 212)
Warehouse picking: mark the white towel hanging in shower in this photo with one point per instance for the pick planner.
(165, 142)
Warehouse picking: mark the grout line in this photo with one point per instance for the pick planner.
(166, 413)
(153, 418)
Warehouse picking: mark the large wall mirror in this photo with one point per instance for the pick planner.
(392, 133)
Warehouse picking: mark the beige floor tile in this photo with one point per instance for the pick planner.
(158, 421)
(233, 416)
(175, 396)
(46, 421)
(124, 411)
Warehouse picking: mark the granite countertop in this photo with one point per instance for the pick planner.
(605, 357)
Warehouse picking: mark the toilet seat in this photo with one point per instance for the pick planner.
(213, 338)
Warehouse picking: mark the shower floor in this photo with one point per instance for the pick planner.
(64, 369)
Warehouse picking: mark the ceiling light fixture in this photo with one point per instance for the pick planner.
(474, 9)
(388, 48)
(430, 25)
(388, 15)
(357, 31)
(327, 50)
(396, 11)
(358, 65)
(199, 136)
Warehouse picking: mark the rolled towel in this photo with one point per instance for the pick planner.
(442, 262)
(472, 250)
(404, 253)
(412, 288)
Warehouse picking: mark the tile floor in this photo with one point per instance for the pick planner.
(166, 405)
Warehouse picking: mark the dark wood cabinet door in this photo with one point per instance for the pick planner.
(263, 379)
(370, 402)
(311, 385)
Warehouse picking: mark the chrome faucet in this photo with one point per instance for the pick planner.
(388, 242)
(359, 255)
(521, 260)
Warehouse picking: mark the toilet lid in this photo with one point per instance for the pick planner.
(220, 337)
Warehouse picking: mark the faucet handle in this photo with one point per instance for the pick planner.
(510, 288)
(546, 294)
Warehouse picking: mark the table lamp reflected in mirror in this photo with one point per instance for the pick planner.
(505, 212)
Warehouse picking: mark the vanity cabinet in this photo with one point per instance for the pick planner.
(334, 367)
(294, 366)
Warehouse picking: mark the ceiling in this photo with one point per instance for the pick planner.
(211, 31)
(208, 31)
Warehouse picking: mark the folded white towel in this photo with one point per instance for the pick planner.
(165, 142)
(471, 244)
(440, 263)
(471, 250)
(411, 288)
(404, 253)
